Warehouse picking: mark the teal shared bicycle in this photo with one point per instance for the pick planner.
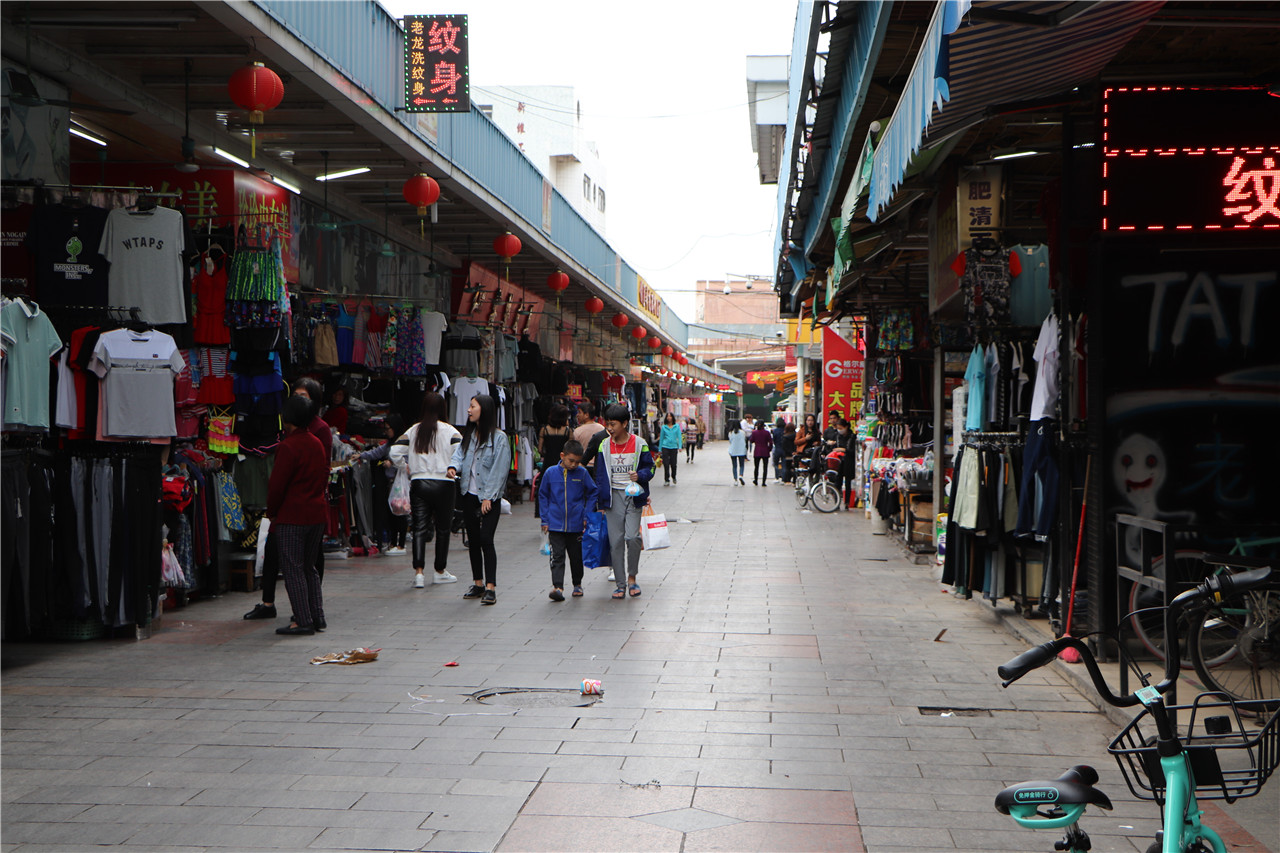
(1213, 757)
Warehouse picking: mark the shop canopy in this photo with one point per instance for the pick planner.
(976, 56)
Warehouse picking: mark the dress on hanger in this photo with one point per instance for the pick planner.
(211, 302)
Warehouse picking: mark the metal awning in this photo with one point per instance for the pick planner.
(1002, 52)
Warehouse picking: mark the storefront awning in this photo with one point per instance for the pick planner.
(1002, 53)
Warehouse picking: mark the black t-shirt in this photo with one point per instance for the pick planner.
(831, 434)
(15, 256)
(68, 268)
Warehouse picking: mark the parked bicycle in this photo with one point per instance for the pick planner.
(1214, 757)
(819, 489)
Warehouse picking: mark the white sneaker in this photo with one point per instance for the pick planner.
(391, 551)
(418, 582)
(443, 577)
(611, 576)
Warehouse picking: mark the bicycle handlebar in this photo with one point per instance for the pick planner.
(1216, 587)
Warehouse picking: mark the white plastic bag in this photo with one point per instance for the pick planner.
(653, 530)
(545, 550)
(264, 528)
(170, 570)
(398, 500)
(506, 507)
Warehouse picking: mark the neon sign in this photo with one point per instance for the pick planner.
(1187, 158)
(437, 73)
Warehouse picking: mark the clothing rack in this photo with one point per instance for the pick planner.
(30, 185)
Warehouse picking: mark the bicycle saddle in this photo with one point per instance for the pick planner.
(1073, 788)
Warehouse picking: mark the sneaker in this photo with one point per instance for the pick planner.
(261, 611)
(610, 578)
(390, 551)
(556, 595)
(491, 597)
(443, 577)
(321, 624)
(474, 591)
(674, 482)
(418, 582)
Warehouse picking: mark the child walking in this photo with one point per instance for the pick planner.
(624, 460)
(565, 496)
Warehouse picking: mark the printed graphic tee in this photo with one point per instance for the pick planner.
(137, 370)
(145, 253)
(64, 242)
(624, 460)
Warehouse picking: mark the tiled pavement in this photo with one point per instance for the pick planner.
(763, 694)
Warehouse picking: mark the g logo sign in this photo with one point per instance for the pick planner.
(833, 369)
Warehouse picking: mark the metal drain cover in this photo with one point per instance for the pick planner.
(535, 697)
(940, 711)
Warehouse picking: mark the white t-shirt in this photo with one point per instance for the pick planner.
(137, 371)
(145, 253)
(433, 324)
(464, 388)
(1045, 396)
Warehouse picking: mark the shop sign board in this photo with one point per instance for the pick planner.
(944, 245)
(437, 73)
(575, 392)
(1190, 158)
(648, 300)
(842, 375)
(978, 206)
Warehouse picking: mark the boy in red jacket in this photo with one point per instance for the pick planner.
(297, 508)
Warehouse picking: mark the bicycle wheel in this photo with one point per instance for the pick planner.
(1242, 634)
(825, 497)
(1146, 613)
(802, 490)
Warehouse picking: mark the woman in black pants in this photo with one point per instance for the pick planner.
(482, 462)
(427, 448)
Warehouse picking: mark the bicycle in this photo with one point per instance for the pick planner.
(1234, 643)
(818, 490)
(1218, 760)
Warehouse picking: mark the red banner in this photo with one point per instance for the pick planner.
(842, 366)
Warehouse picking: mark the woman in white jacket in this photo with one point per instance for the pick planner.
(427, 447)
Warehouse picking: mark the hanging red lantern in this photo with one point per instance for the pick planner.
(594, 305)
(421, 191)
(558, 281)
(655, 342)
(255, 88)
(639, 332)
(507, 246)
(668, 351)
(683, 359)
(620, 320)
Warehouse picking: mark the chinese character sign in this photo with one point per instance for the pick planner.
(1188, 158)
(437, 74)
(842, 376)
(978, 205)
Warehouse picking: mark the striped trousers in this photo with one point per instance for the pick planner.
(298, 546)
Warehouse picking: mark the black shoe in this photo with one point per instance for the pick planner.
(305, 630)
(473, 592)
(674, 482)
(321, 624)
(491, 597)
(556, 595)
(261, 611)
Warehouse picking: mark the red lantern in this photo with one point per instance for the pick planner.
(683, 359)
(639, 332)
(421, 191)
(594, 305)
(668, 351)
(257, 89)
(655, 342)
(558, 281)
(507, 246)
(620, 320)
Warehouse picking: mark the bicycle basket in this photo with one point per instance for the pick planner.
(1232, 763)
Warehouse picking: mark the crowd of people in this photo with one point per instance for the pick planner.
(457, 479)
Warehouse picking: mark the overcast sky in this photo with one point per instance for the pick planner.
(663, 92)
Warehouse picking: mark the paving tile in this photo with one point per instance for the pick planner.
(762, 836)
(615, 799)
(779, 806)
(534, 833)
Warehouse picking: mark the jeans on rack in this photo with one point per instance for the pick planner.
(1038, 495)
(431, 503)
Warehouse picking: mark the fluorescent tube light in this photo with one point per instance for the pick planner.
(345, 173)
(290, 187)
(227, 155)
(85, 134)
(1014, 155)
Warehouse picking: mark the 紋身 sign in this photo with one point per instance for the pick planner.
(1190, 158)
(437, 73)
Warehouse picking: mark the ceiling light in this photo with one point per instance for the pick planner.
(1014, 155)
(227, 155)
(85, 134)
(345, 173)
(290, 187)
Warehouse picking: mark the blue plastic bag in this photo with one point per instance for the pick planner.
(595, 542)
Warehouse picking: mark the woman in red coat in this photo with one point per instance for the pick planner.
(297, 508)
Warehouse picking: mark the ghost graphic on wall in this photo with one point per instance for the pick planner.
(1139, 470)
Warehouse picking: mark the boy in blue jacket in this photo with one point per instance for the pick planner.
(566, 493)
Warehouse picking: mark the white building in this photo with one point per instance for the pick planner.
(546, 122)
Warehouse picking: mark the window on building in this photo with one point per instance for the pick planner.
(586, 187)
(600, 201)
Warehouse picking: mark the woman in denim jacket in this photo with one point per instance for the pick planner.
(482, 461)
